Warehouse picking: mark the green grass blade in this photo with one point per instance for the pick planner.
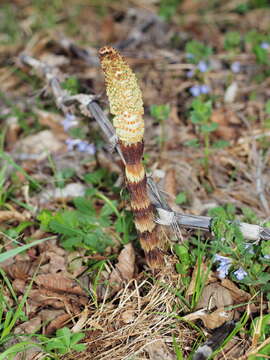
(9, 159)
(11, 253)
(15, 349)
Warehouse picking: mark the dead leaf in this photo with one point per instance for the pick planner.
(12, 132)
(38, 146)
(58, 323)
(48, 315)
(210, 320)
(75, 261)
(58, 282)
(214, 296)
(19, 285)
(53, 121)
(20, 270)
(217, 318)
(70, 191)
(170, 184)
(107, 31)
(29, 327)
(233, 349)
(50, 246)
(12, 216)
(158, 350)
(56, 263)
(231, 93)
(44, 297)
(225, 119)
(111, 282)
(124, 269)
(239, 296)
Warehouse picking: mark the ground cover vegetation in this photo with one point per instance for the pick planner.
(74, 282)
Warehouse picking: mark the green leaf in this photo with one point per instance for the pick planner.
(232, 40)
(79, 347)
(71, 84)
(76, 338)
(64, 335)
(220, 144)
(196, 117)
(201, 111)
(263, 278)
(265, 247)
(193, 143)
(84, 205)
(179, 268)
(72, 242)
(56, 344)
(207, 128)
(198, 50)
(182, 253)
(261, 55)
(65, 223)
(63, 229)
(119, 224)
(45, 216)
(160, 112)
(95, 177)
(108, 209)
(181, 198)
(167, 8)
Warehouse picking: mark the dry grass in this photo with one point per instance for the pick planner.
(143, 313)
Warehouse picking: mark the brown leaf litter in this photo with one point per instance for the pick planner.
(54, 294)
(134, 314)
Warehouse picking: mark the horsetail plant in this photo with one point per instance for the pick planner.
(126, 104)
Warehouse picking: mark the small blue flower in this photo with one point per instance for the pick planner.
(84, 146)
(71, 143)
(190, 73)
(81, 145)
(195, 90)
(225, 264)
(90, 149)
(240, 274)
(204, 89)
(236, 67)
(69, 121)
(265, 45)
(202, 66)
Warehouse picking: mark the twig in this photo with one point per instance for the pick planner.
(64, 100)
(89, 56)
(166, 216)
